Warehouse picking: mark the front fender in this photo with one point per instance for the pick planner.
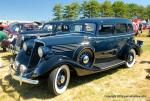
(49, 64)
(46, 66)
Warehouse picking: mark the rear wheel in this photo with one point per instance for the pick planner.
(59, 79)
(131, 58)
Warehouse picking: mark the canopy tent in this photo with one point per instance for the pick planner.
(3, 35)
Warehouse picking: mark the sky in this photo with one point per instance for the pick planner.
(40, 10)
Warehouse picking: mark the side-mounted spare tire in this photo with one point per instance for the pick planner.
(85, 57)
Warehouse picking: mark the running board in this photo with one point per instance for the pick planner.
(108, 65)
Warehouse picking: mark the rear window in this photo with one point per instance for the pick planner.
(121, 28)
(106, 29)
(130, 28)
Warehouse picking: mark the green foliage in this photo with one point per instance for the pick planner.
(106, 9)
(119, 9)
(57, 12)
(147, 12)
(91, 8)
(71, 11)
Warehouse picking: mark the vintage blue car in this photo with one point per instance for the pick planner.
(93, 45)
(48, 29)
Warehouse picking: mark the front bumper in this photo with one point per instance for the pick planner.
(20, 78)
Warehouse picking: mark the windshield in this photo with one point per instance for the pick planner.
(48, 27)
(83, 27)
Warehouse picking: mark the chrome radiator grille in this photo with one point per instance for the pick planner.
(34, 58)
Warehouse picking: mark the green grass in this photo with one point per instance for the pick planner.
(146, 44)
(118, 81)
(145, 33)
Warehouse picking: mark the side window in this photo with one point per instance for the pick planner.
(78, 28)
(106, 29)
(65, 28)
(89, 27)
(121, 28)
(59, 28)
(130, 28)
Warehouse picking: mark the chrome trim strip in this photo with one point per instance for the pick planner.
(111, 36)
(56, 50)
(61, 48)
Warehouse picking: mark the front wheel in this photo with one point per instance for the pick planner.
(131, 58)
(59, 79)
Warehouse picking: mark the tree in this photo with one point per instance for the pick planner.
(91, 8)
(119, 9)
(107, 10)
(132, 10)
(57, 12)
(71, 11)
(147, 12)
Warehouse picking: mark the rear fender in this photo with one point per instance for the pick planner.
(128, 47)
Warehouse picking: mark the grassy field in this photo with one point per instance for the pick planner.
(127, 84)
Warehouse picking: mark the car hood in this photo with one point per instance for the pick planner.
(36, 33)
(71, 38)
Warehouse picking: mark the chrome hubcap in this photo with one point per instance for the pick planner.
(86, 59)
(62, 79)
(131, 58)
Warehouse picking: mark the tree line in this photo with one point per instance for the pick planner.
(93, 8)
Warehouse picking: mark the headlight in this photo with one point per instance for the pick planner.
(17, 63)
(22, 38)
(25, 46)
(23, 68)
(40, 51)
(43, 51)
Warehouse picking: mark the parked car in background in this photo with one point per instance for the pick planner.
(93, 45)
(13, 31)
(48, 29)
(2, 26)
(146, 25)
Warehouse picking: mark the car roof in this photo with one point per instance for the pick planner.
(59, 22)
(104, 20)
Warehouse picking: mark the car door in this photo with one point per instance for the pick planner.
(122, 35)
(105, 42)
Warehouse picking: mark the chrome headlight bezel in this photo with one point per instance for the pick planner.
(25, 47)
(22, 68)
(40, 51)
(43, 51)
(22, 38)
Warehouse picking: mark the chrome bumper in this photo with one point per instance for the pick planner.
(20, 78)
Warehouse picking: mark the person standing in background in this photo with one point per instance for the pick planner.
(140, 27)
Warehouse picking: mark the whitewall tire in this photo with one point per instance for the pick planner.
(59, 79)
(131, 58)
